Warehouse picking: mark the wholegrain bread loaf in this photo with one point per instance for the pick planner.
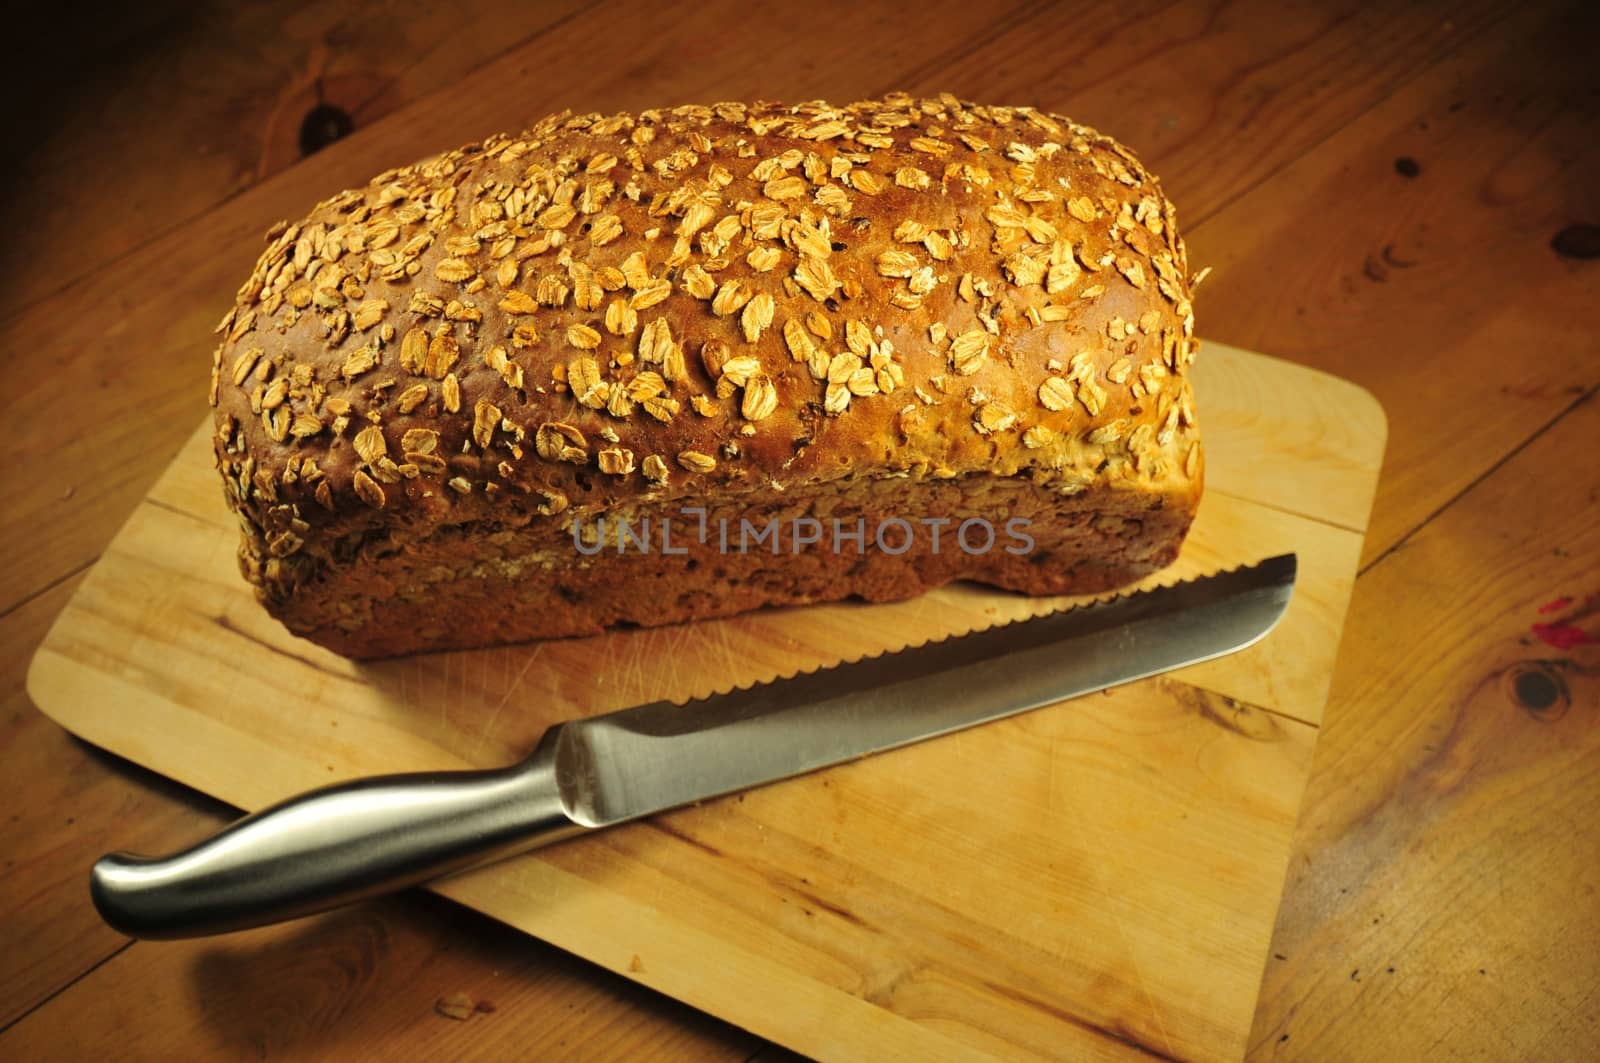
(647, 368)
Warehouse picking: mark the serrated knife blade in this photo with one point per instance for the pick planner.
(353, 841)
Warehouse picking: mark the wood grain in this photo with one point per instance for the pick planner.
(333, 987)
(1366, 266)
(79, 804)
(1215, 97)
(1107, 824)
(1446, 878)
(243, 78)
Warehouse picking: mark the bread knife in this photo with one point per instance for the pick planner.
(356, 840)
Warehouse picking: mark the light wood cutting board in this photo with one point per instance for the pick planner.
(1097, 879)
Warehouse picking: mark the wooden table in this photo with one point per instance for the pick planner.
(1409, 198)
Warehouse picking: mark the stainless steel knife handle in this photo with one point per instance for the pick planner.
(335, 846)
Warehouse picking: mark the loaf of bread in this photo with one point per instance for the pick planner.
(639, 369)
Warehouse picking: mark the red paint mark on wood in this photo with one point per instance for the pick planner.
(1563, 636)
(1556, 606)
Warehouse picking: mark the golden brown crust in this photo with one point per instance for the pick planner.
(611, 311)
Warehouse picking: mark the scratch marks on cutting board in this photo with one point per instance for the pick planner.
(534, 653)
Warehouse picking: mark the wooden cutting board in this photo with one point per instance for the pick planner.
(1097, 879)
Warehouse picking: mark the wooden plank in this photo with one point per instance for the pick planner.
(1114, 825)
(1441, 293)
(1443, 894)
(79, 804)
(150, 313)
(1342, 424)
(369, 983)
(222, 91)
(1214, 99)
